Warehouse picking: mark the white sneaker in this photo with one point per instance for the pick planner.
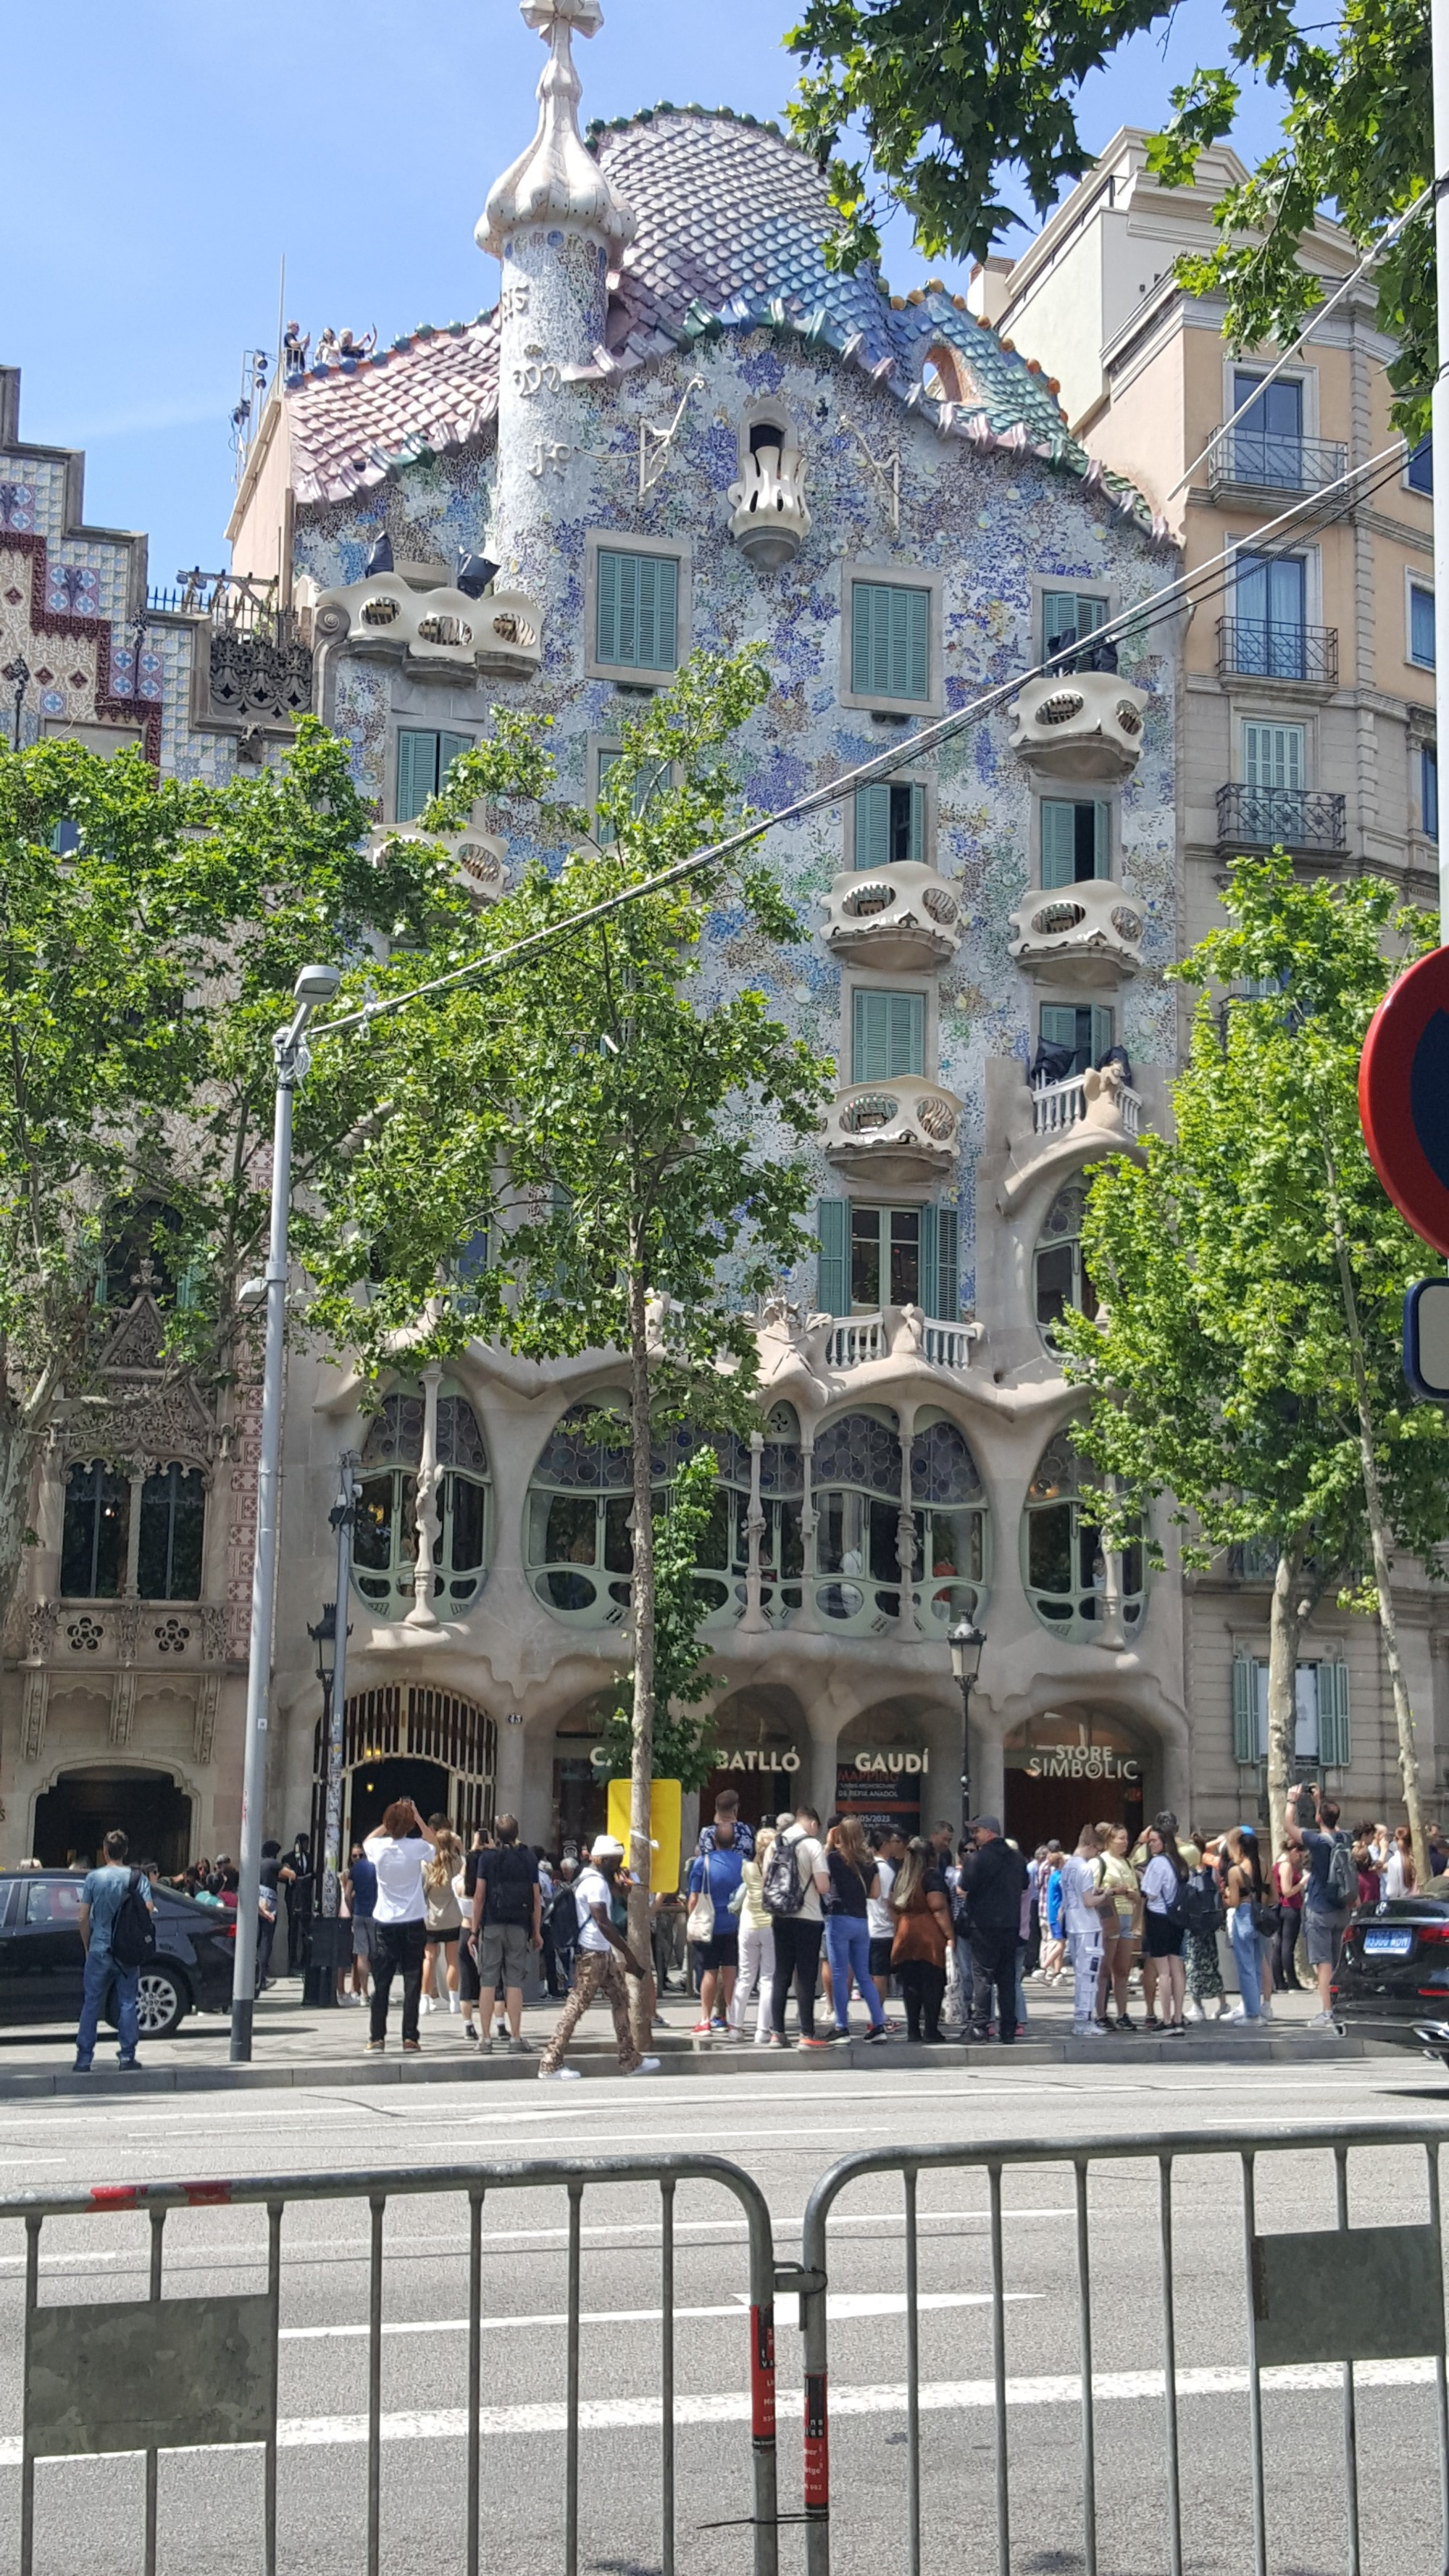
(452, 2003)
(1266, 2008)
(426, 2004)
(1237, 2015)
(1192, 2011)
(762, 2039)
(560, 2074)
(1088, 2030)
(646, 2066)
(1321, 2021)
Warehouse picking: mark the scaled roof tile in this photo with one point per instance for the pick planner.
(732, 222)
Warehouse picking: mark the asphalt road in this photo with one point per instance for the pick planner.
(784, 2132)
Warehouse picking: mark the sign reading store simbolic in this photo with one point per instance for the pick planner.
(1081, 1754)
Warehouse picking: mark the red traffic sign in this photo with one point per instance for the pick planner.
(1403, 1096)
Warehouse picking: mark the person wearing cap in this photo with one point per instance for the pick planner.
(601, 1958)
(993, 1883)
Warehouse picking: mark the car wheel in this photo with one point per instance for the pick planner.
(161, 2003)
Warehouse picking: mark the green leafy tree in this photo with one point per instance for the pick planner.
(683, 1745)
(150, 931)
(1246, 1363)
(944, 98)
(621, 1111)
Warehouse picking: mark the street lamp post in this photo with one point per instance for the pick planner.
(966, 1642)
(319, 1982)
(315, 984)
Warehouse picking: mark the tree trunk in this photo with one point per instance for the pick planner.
(1379, 1541)
(639, 1857)
(1285, 1635)
(20, 1442)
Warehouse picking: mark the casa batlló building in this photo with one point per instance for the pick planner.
(676, 427)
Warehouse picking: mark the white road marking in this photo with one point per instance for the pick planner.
(867, 2303)
(937, 2397)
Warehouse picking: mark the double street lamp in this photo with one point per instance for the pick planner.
(966, 1641)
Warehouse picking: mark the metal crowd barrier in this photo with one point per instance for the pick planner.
(152, 2374)
(1301, 2306)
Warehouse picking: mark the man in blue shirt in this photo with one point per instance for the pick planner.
(1325, 1915)
(714, 1878)
(101, 1899)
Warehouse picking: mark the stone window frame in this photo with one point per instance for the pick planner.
(624, 541)
(894, 576)
(911, 774)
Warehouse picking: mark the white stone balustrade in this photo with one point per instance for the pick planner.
(1085, 725)
(1088, 933)
(435, 634)
(898, 1333)
(905, 919)
(893, 1132)
(1085, 1099)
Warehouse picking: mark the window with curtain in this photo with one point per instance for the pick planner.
(890, 824)
(173, 1523)
(636, 610)
(1076, 839)
(1270, 594)
(1268, 440)
(887, 1035)
(94, 1532)
(890, 641)
(1429, 790)
(1419, 472)
(1421, 626)
(1275, 755)
(1321, 1713)
(871, 1257)
(423, 762)
(385, 1538)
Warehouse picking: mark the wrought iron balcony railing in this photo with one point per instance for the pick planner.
(1256, 650)
(1260, 818)
(1258, 460)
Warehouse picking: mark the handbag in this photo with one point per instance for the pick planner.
(1266, 1919)
(700, 1926)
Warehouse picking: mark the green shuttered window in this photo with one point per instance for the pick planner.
(637, 611)
(890, 647)
(1076, 840)
(423, 762)
(900, 1256)
(1333, 1736)
(888, 1036)
(890, 825)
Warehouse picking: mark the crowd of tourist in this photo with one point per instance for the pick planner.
(950, 1931)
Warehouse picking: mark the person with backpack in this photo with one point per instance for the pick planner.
(1203, 1905)
(1164, 1925)
(118, 1937)
(854, 1878)
(1330, 1892)
(507, 1924)
(795, 1880)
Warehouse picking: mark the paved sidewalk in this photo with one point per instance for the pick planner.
(298, 2044)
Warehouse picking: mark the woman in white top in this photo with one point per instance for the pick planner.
(757, 1943)
(398, 1852)
(1399, 1865)
(443, 1918)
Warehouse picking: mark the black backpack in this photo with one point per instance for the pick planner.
(510, 1888)
(133, 1933)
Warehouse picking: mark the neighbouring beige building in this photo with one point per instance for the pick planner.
(1306, 717)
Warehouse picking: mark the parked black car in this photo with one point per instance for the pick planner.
(1393, 1981)
(42, 1962)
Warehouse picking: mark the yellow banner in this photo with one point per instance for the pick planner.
(664, 1828)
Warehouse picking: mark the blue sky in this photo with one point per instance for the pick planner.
(163, 157)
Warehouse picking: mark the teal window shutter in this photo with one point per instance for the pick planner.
(1058, 1025)
(1333, 1731)
(1058, 843)
(636, 624)
(940, 1266)
(890, 641)
(450, 745)
(606, 605)
(1104, 1025)
(417, 773)
(1245, 1709)
(888, 1036)
(832, 1286)
(1102, 838)
(917, 851)
(872, 827)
